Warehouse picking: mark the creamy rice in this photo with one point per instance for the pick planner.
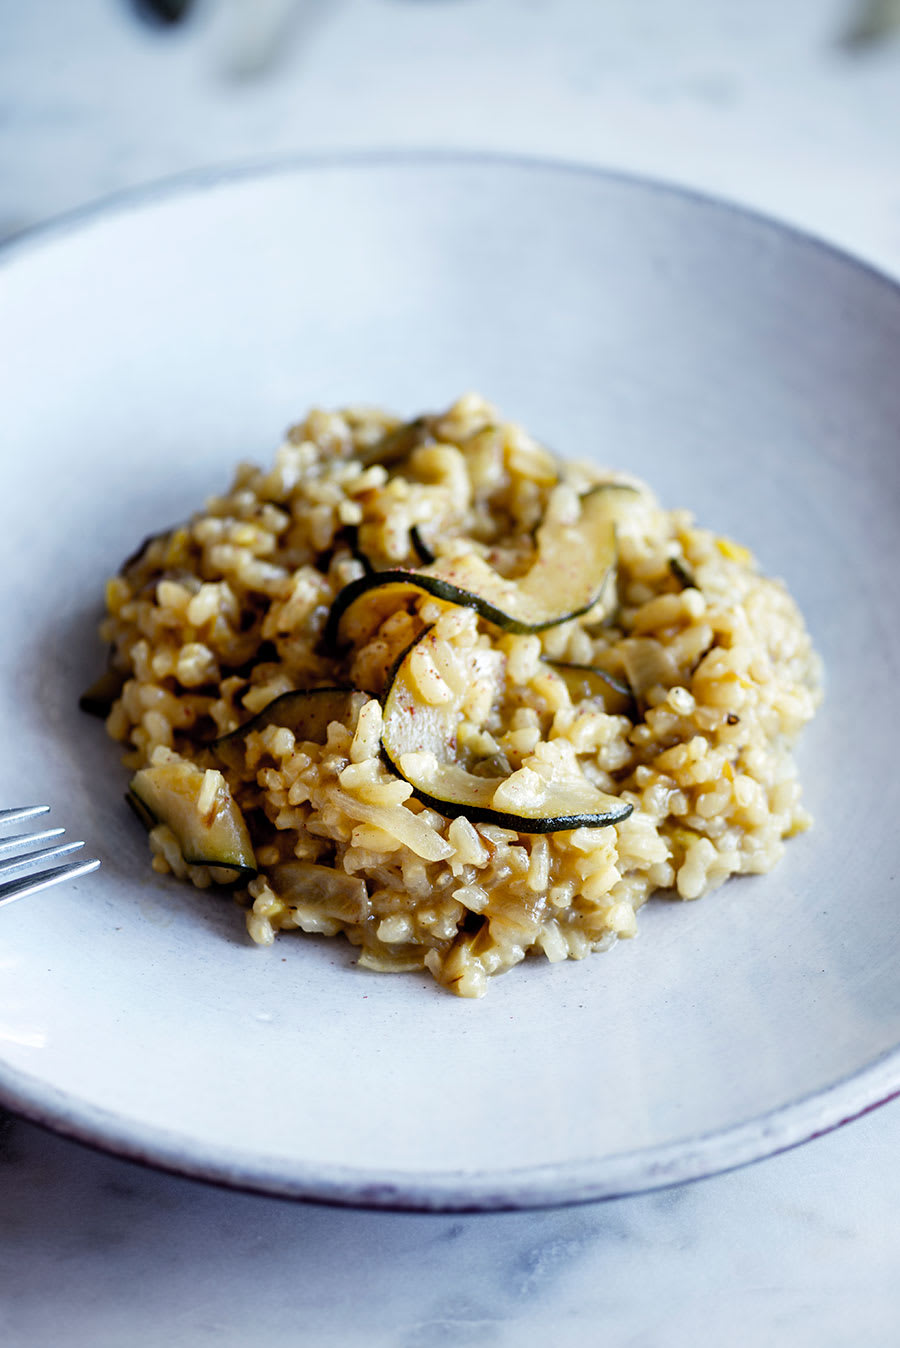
(708, 666)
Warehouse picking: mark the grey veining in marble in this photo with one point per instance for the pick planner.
(801, 1250)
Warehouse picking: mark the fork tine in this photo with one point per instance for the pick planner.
(42, 854)
(38, 879)
(22, 812)
(22, 839)
(30, 884)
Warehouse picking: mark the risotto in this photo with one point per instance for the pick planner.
(430, 686)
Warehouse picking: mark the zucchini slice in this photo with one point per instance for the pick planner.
(362, 606)
(397, 445)
(307, 712)
(647, 663)
(568, 578)
(208, 824)
(419, 744)
(612, 489)
(589, 681)
(336, 894)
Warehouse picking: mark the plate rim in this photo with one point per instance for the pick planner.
(190, 181)
(692, 1157)
(553, 1185)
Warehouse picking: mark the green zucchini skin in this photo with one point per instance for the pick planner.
(482, 814)
(352, 535)
(307, 712)
(474, 810)
(137, 806)
(99, 698)
(682, 574)
(420, 547)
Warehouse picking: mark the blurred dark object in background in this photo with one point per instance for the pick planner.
(873, 22)
(163, 11)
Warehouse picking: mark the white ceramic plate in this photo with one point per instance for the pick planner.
(746, 372)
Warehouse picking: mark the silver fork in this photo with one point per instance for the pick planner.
(41, 878)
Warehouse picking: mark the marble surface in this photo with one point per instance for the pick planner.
(764, 102)
(800, 1250)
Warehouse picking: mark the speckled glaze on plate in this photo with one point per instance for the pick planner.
(744, 371)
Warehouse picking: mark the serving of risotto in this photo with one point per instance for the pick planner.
(429, 685)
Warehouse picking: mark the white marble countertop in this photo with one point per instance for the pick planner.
(763, 102)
